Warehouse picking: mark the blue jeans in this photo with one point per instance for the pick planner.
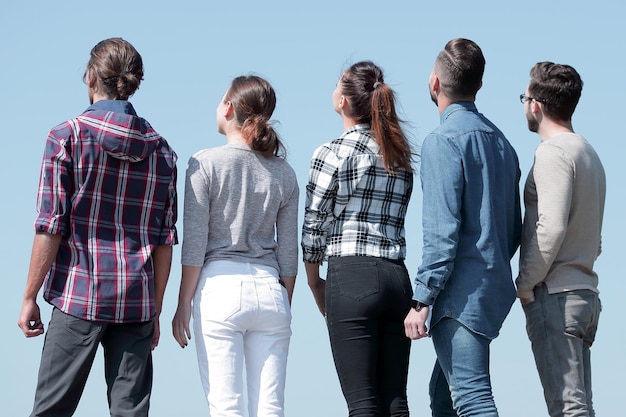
(562, 328)
(367, 300)
(460, 384)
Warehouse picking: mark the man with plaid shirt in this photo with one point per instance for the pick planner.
(103, 244)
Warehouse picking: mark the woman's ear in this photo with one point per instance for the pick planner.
(343, 102)
(228, 110)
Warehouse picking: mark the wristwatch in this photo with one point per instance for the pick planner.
(418, 305)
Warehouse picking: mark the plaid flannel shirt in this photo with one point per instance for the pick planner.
(354, 206)
(108, 186)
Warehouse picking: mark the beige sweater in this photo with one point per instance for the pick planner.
(564, 198)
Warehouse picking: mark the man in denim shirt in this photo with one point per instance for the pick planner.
(472, 223)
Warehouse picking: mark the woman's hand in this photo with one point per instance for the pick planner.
(318, 288)
(180, 324)
(317, 285)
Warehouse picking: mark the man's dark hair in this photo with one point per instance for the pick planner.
(460, 67)
(558, 87)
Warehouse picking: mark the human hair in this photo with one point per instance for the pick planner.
(558, 87)
(372, 101)
(254, 101)
(117, 66)
(460, 67)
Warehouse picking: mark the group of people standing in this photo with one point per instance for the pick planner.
(106, 227)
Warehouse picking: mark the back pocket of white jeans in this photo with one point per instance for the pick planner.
(220, 300)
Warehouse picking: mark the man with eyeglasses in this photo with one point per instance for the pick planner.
(557, 286)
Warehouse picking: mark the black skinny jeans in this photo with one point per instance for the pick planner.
(367, 300)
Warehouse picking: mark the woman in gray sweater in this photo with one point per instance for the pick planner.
(239, 256)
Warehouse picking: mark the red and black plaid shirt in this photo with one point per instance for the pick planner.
(108, 186)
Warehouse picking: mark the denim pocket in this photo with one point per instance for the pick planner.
(280, 297)
(220, 299)
(402, 278)
(356, 280)
(578, 311)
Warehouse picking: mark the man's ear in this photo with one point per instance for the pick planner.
(535, 106)
(436, 83)
(91, 80)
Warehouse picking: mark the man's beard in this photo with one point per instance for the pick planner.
(433, 97)
(533, 124)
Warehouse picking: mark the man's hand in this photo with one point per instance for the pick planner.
(415, 323)
(45, 248)
(157, 333)
(528, 300)
(30, 319)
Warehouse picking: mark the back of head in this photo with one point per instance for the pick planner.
(254, 101)
(372, 101)
(460, 67)
(116, 67)
(558, 87)
(358, 84)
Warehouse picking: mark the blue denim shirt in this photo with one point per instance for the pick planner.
(471, 220)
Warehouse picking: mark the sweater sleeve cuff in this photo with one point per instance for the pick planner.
(524, 293)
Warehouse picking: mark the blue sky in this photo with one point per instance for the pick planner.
(192, 50)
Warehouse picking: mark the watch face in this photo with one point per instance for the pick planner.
(417, 305)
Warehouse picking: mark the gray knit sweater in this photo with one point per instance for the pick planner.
(240, 206)
(564, 197)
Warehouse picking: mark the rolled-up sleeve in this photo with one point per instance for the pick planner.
(169, 234)
(321, 193)
(442, 186)
(56, 184)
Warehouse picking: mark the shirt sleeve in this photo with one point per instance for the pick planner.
(56, 184)
(442, 188)
(195, 215)
(287, 234)
(321, 193)
(170, 235)
(553, 175)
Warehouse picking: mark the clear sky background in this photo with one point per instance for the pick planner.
(192, 50)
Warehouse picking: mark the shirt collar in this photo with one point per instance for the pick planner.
(358, 128)
(459, 105)
(115, 106)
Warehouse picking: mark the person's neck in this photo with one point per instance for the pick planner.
(233, 137)
(348, 122)
(97, 97)
(443, 101)
(549, 128)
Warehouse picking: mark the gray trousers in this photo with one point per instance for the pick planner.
(69, 349)
(562, 327)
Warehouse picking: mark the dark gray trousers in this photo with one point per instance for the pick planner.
(69, 349)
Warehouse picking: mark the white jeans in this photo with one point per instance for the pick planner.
(242, 315)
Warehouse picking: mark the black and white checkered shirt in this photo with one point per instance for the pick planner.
(354, 206)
